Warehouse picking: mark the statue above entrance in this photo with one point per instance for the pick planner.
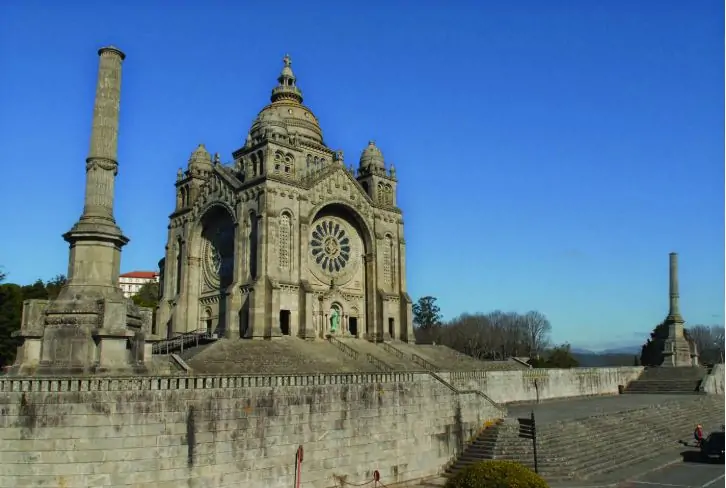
(334, 320)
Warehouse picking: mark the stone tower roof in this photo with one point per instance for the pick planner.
(371, 159)
(286, 113)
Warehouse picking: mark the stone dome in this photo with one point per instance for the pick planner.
(286, 114)
(371, 159)
(200, 158)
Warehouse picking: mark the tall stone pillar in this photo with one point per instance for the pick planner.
(676, 348)
(96, 240)
(89, 326)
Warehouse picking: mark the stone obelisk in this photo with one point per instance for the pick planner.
(676, 350)
(89, 327)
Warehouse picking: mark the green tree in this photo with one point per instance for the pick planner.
(148, 295)
(11, 309)
(54, 286)
(426, 314)
(558, 357)
(36, 291)
(651, 354)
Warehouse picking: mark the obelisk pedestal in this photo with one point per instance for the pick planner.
(91, 326)
(676, 349)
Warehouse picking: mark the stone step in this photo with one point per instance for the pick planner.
(598, 458)
(675, 429)
(562, 455)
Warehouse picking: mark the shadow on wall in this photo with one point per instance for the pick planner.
(191, 438)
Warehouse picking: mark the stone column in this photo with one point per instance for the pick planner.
(101, 164)
(676, 349)
(674, 309)
(234, 294)
(96, 240)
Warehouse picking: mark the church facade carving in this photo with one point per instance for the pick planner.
(286, 240)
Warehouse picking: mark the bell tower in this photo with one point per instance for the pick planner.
(378, 182)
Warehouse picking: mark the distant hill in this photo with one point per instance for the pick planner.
(623, 356)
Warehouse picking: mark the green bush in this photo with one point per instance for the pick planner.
(496, 474)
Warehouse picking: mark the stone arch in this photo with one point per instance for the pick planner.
(380, 193)
(207, 324)
(341, 209)
(213, 233)
(284, 240)
(388, 259)
(252, 244)
(289, 164)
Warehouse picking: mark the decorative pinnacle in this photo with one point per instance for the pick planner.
(286, 88)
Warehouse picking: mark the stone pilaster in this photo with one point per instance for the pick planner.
(374, 325)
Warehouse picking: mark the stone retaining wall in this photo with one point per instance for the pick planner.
(544, 384)
(231, 431)
(713, 383)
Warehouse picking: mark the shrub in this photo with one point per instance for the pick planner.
(496, 474)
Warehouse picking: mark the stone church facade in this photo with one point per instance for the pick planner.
(286, 240)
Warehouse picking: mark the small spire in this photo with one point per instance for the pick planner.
(286, 88)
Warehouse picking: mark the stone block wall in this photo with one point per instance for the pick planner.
(713, 383)
(528, 385)
(232, 431)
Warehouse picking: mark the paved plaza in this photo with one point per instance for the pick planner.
(683, 474)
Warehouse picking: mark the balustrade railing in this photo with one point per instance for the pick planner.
(343, 347)
(378, 363)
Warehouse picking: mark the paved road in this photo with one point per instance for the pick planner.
(680, 475)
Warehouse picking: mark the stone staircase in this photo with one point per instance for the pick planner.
(685, 380)
(382, 355)
(284, 355)
(442, 358)
(586, 447)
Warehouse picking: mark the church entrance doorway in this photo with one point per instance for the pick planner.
(391, 328)
(353, 326)
(285, 322)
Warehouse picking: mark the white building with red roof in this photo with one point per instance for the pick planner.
(132, 281)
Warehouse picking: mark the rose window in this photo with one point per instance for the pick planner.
(330, 246)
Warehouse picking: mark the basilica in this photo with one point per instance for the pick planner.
(286, 240)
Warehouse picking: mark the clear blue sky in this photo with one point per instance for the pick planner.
(550, 153)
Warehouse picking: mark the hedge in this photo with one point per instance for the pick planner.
(496, 474)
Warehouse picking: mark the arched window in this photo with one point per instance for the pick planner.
(252, 246)
(178, 265)
(278, 162)
(289, 165)
(381, 194)
(284, 248)
(387, 260)
(261, 159)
